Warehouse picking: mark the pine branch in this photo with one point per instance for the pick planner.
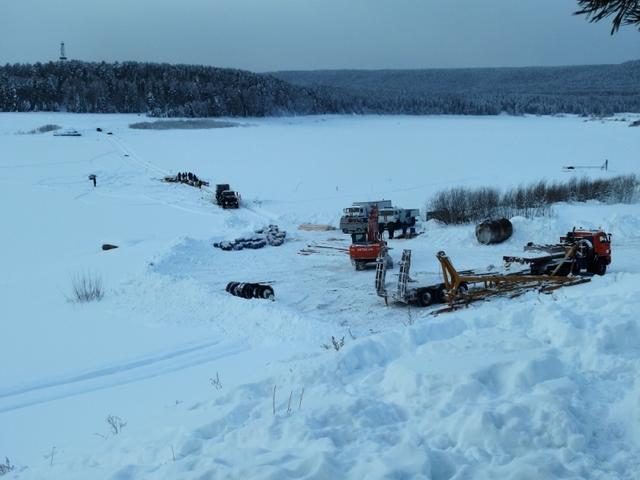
(624, 12)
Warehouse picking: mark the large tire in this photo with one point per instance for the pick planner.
(247, 290)
(267, 293)
(602, 268)
(359, 264)
(597, 267)
(426, 297)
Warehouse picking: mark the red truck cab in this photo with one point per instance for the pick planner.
(594, 246)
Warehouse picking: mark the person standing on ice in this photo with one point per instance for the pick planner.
(93, 177)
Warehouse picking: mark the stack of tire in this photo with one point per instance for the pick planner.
(251, 290)
(242, 243)
(275, 237)
(270, 235)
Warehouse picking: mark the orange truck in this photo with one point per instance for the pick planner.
(591, 252)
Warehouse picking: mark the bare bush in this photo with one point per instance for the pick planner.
(215, 382)
(87, 288)
(43, 129)
(464, 205)
(6, 467)
(115, 423)
(335, 344)
(194, 124)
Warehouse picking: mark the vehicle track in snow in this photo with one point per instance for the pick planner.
(133, 158)
(109, 376)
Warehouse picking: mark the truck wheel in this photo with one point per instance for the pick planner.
(598, 268)
(425, 297)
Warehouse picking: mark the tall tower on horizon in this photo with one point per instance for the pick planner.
(63, 56)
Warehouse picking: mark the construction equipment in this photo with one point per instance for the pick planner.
(462, 288)
(355, 219)
(459, 288)
(225, 197)
(367, 246)
(592, 254)
(423, 296)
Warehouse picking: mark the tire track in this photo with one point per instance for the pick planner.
(109, 376)
(129, 154)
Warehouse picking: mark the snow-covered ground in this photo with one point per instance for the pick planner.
(545, 386)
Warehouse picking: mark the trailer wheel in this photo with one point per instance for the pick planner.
(425, 297)
(359, 264)
(462, 290)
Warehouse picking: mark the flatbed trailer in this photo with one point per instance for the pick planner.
(460, 288)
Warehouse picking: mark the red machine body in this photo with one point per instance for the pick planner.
(366, 246)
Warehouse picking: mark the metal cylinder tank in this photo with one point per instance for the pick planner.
(494, 231)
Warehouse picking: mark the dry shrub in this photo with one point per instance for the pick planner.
(465, 205)
(87, 288)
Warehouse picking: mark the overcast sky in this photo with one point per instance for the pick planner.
(263, 35)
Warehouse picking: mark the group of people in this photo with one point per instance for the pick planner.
(187, 177)
(191, 179)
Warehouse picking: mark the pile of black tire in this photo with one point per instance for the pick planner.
(251, 290)
(271, 235)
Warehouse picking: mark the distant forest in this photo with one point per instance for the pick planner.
(163, 90)
(582, 90)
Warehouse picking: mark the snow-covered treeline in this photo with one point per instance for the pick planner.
(158, 89)
(583, 90)
(164, 90)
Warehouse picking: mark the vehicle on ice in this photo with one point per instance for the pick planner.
(355, 219)
(225, 197)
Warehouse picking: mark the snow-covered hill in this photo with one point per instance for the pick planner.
(538, 387)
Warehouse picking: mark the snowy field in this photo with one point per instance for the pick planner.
(545, 386)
